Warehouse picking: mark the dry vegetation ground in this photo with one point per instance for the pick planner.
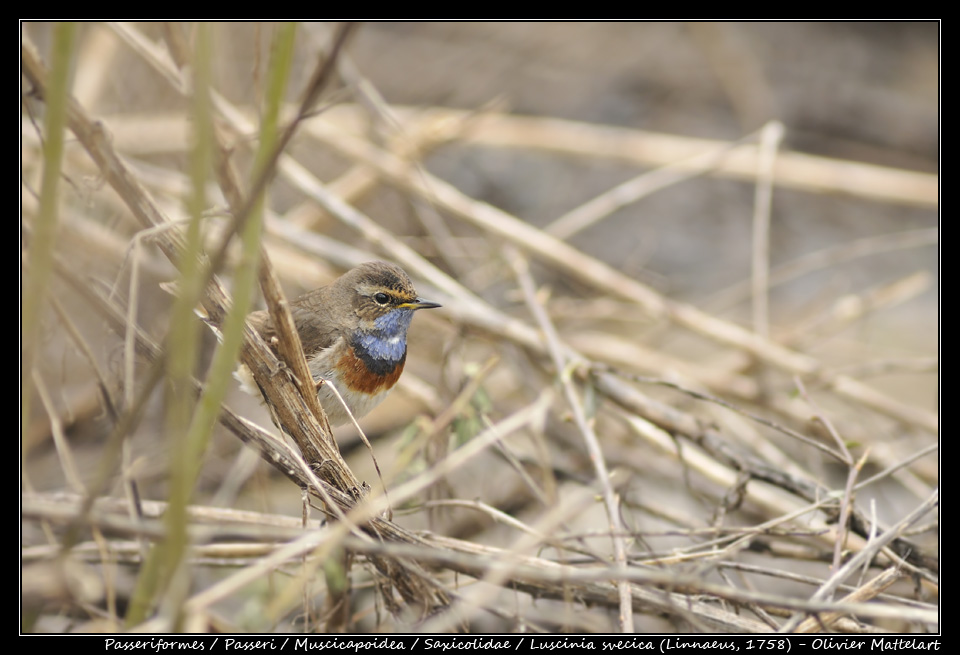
(685, 376)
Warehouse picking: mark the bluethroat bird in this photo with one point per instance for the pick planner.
(354, 336)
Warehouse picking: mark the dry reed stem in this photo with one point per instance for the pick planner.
(771, 135)
(793, 170)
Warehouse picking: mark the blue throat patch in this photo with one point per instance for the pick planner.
(388, 340)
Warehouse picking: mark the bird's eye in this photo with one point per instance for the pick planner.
(381, 298)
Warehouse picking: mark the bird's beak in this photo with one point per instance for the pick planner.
(420, 303)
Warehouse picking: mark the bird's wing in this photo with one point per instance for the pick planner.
(310, 316)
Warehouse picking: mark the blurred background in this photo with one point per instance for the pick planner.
(537, 120)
